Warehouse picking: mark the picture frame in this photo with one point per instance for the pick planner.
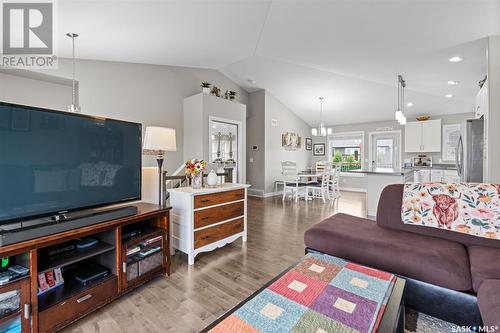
(290, 141)
(319, 149)
(309, 144)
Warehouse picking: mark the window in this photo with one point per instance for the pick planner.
(347, 148)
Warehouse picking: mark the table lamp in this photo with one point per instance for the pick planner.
(157, 141)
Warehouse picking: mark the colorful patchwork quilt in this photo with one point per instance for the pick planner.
(320, 294)
(472, 209)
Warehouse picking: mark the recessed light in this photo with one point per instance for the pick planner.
(409, 104)
(453, 83)
(455, 59)
(251, 81)
(448, 95)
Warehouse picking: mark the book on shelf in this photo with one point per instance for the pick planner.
(152, 240)
(133, 250)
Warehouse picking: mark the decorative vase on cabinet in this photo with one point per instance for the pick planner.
(212, 178)
(197, 180)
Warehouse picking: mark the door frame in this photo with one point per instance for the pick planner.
(370, 143)
(240, 142)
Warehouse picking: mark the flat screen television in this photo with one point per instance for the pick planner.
(54, 161)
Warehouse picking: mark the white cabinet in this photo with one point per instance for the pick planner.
(423, 136)
(481, 107)
(445, 176)
(422, 176)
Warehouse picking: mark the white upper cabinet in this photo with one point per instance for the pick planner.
(482, 102)
(423, 136)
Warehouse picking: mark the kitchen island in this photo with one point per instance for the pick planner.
(377, 179)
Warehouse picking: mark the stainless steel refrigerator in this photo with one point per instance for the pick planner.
(470, 151)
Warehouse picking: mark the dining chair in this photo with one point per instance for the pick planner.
(287, 168)
(334, 183)
(292, 183)
(321, 189)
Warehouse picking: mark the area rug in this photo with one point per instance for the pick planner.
(417, 322)
(320, 294)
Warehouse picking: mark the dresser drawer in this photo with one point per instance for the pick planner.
(209, 216)
(213, 234)
(77, 306)
(206, 200)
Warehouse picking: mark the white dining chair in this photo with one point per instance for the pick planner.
(321, 189)
(287, 168)
(334, 183)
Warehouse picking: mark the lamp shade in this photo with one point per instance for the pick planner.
(160, 138)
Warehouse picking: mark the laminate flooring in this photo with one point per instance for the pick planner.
(194, 296)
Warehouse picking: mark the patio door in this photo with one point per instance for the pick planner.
(385, 149)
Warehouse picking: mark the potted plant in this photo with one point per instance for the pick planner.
(194, 170)
(215, 91)
(205, 87)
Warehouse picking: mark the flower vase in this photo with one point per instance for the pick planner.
(197, 181)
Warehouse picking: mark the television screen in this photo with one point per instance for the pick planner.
(52, 161)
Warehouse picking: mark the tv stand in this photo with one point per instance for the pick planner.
(59, 305)
(64, 221)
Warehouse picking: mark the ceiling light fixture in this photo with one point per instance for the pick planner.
(456, 59)
(448, 95)
(453, 83)
(400, 117)
(74, 107)
(321, 130)
(409, 104)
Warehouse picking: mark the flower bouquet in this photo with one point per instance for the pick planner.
(194, 169)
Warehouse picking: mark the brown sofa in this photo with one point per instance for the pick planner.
(449, 275)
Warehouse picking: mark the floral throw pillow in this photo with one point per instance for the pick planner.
(473, 209)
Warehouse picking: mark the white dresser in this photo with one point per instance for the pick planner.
(208, 218)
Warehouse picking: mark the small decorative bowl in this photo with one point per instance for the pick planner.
(423, 118)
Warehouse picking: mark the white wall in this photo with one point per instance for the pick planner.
(287, 121)
(149, 94)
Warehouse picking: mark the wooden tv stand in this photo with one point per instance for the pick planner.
(63, 304)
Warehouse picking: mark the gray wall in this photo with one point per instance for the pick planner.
(357, 182)
(256, 136)
(275, 153)
(149, 94)
(493, 122)
(23, 90)
(266, 166)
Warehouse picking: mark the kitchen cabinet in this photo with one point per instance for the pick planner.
(444, 176)
(423, 136)
(481, 107)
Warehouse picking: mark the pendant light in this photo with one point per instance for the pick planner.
(399, 115)
(73, 107)
(321, 130)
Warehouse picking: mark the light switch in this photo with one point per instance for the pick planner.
(251, 160)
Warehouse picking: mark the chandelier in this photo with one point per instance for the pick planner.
(321, 130)
(74, 107)
(400, 117)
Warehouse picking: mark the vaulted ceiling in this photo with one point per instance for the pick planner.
(350, 52)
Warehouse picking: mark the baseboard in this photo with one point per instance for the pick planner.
(353, 189)
(260, 193)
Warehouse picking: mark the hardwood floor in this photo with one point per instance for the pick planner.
(192, 297)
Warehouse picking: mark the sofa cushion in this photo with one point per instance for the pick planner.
(433, 260)
(389, 216)
(484, 264)
(488, 299)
